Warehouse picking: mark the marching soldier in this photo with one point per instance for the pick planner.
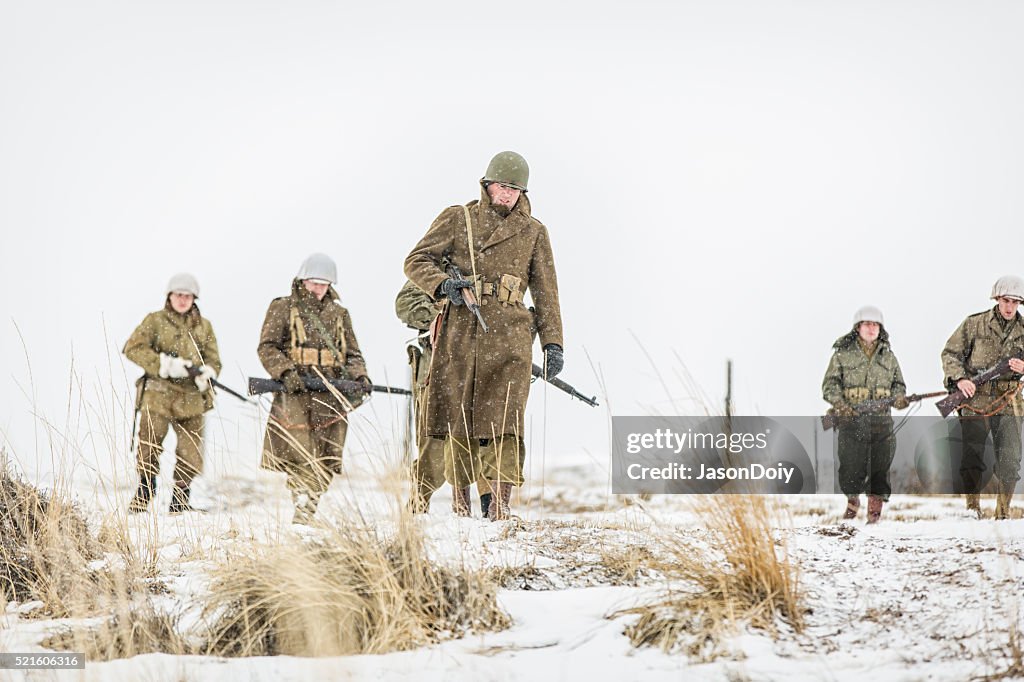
(417, 310)
(479, 380)
(863, 367)
(306, 334)
(178, 351)
(995, 408)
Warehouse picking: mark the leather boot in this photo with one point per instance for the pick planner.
(852, 507)
(461, 502)
(875, 508)
(499, 508)
(180, 499)
(140, 503)
(974, 503)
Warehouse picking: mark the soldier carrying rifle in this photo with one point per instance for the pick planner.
(479, 380)
(178, 351)
(305, 336)
(863, 368)
(994, 407)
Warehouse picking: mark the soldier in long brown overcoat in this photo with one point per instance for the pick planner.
(479, 381)
(306, 334)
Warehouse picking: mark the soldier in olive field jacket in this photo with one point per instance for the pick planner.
(995, 408)
(178, 351)
(863, 367)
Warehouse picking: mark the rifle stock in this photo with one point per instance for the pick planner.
(562, 386)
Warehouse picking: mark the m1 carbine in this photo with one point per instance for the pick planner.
(469, 295)
(346, 387)
(561, 385)
(831, 419)
(957, 397)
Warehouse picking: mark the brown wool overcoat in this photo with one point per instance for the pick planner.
(479, 381)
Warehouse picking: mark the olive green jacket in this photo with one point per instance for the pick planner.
(189, 336)
(978, 343)
(854, 377)
(415, 307)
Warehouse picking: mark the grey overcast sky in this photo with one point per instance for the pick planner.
(720, 180)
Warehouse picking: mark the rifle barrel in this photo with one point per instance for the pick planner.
(563, 386)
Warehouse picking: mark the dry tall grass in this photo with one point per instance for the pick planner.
(45, 548)
(348, 592)
(745, 578)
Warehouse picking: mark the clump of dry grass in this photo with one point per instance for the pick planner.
(140, 630)
(742, 579)
(45, 547)
(349, 592)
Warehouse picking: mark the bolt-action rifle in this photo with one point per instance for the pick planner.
(346, 387)
(831, 419)
(957, 397)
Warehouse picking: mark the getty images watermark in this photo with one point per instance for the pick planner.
(775, 455)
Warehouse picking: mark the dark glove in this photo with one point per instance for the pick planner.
(844, 409)
(901, 402)
(293, 383)
(452, 288)
(554, 360)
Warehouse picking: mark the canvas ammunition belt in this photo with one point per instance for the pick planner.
(319, 357)
(507, 289)
(861, 393)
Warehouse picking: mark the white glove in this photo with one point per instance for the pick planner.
(172, 367)
(206, 373)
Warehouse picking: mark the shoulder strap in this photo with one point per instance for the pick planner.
(472, 248)
(320, 327)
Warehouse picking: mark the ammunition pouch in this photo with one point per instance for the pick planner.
(312, 357)
(507, 290)
(861, 393)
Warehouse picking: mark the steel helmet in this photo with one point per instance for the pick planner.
(1009, 286)
(183, 283)
(868, 313)
(508, 168)
(318, 266)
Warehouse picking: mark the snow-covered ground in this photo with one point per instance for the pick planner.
(929, 594)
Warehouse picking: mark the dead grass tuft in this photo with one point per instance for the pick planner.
(349, 592)
(45, 547)
(741, 579)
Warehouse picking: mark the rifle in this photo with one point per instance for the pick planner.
(831, 419)
(347, 387)
(193, 372)
(561, 385)
(469, 295)
(957, 397)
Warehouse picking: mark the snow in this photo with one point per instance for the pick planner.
(928, 594)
